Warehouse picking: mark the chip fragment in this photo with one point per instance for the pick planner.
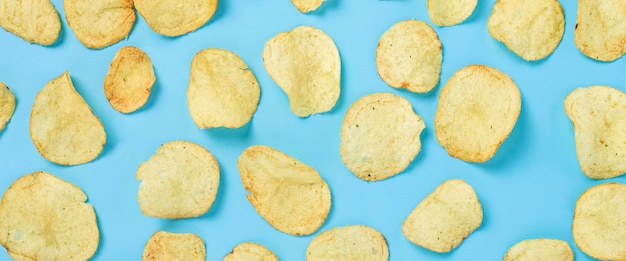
(129, 81)
(166, 246)
(450, 12)
(250, 252)
(176, 17)
(7, 105)
(600, 31)
(540, 249)
(36, 21)
(305, 6)
(356, 242)
(98, 24)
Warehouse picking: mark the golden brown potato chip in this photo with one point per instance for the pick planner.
(223, 91)
(250, 252)
(600, 31)
(540, 249)
(98, 24)
(445, 217)
(129, 81)
(305, 63)
(176, 17)
(599, 229)
(450, 12)
(179, 181)
(165, 246)
(7, 105)
(409, 56)
(35, 21)
(305, 6)
(598, 114)
(348, 243)
(63, 127)
(290, 195)
(45, 218)
(477, 110)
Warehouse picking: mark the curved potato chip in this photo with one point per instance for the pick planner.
(290, 195)
(250, 252)
(540, 249)
(305, 6)
(35, 21)
(348, 243)
(600, 31)
(98, 24)
(409, 56)
(7, 105)
(599, 229)
(63, 127)
(223, 91)
(176, 17)
(305, 63)
(45, 218)
(129, 81)
(598, 114)
(179, 181)
(165, 246)
(448, 13)
(477, 111)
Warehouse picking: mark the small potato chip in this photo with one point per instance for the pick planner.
(305, 63)
(409, 56)
(223, 91)
(445, 217)
(7, 105)
(450, 12)
(598, 114)
(477, 111)
(176, 17)
(45, 218)
(129, 81)
(179, 181)
(98, 24)
(250, 252)
(600, 31)
(540, 249)
(290, 195)
(35, 21)
(305, 6)
(599, 229)
(348, 243)
(63, 127)
(165, 246)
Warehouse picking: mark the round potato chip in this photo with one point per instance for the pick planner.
(129, 81)
(223, 91)
(600, 31)
(448, 13)
(165, 246)
(599, 229)
(305, 6)
(409, 56)
(98, 24)
(250, 252)
(598, 114)
(540, 249)
(35, 21)
(7, 105)
(290, 195)
(63, 127)
(305, 63)
(477, 111)
(176, 17)
(348, 243)
(179, 181)
(45, 218)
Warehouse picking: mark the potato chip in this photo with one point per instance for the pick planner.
(250, 252)
(7, 105)
(290, 195)
(179, 181)
(477, 111)
(129, 81)
(540, 249)
(305, 6)
(409, 56)
(223, 91)
(176, 17)
(165, 246)
(98, 24)
(600, 31)
(63, 127)
(45, 218)
(35, 21)
(305, 63)
(445, 217)
(599, 229)
(598, 114)
(449, 13)
(348, 243)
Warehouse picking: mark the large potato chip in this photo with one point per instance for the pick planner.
(450, 12)
(348, 243)
(45, 218)
(7, 105)
(598, 114)
(98, 24)
(176, 17)
(35, 21)
(223, 91)
(305, 6)
(250, 252)
(409, 56)
(540, 249)
(445, 217)
(63, 127)
(179, 181)
(305, 63)
(290, 195)
(129, 81)
(165, 246)
(380, 136)
(600, 31)
(599, 226)
(477, 111)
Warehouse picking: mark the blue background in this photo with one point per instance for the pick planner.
(528, 190)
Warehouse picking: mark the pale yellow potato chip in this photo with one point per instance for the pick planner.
(598, 114)
(477, 111)
(445, 217)
(45, 218)
(409, 56)
(166, 246)
(250, 252)
(179, 181)
(305, 6)
(450, 12)
(35, 21)
(290, 195)
(357, 242)
(598, 228)
(7, 105)
(176, 17)
(540, 249)
(223, 91)
(305, 64)
(63, 127)
(380, 136)
(98, 24)
(129, 81)
(600, 31)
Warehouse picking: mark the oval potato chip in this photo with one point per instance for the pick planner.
(540, 249)
(250, 252)
(450, 12)
(165, 246)
(600, 31)
(98, 24)
(176, 17)
(348, 243)
(36, 21)
(129, 81)
(305, 64)
(7, 105)
(305, 6)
